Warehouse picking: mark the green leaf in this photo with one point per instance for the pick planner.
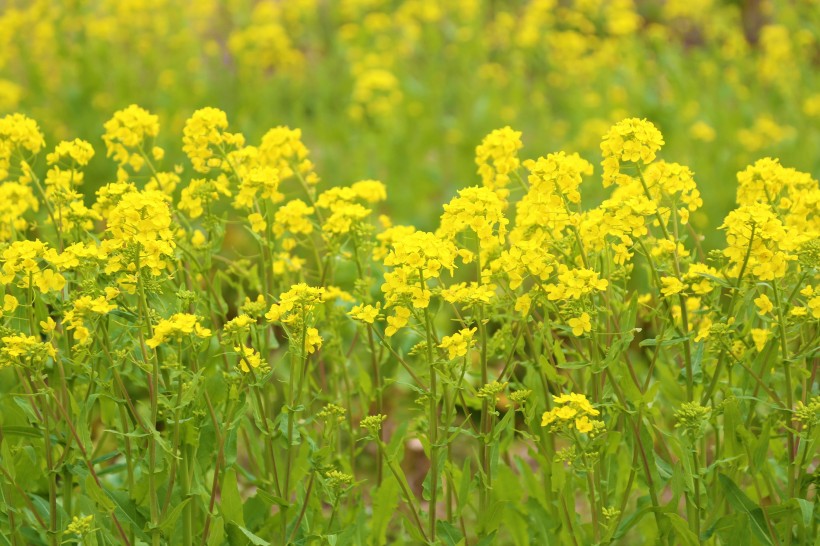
(632, 519)
(28, 432)
(806, 510)
(449, 533)
(126, 508)
(272, 499)
(686, 536)
(96, 493)
(256, 540)
(385, 502)
(464, 486)
(217, 536)
(616, 350)
(662, 342)
(231, 505)
(487, 540)
(170, 520)
(742, 503)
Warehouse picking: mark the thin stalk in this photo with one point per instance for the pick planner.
(789, 403)
(433, 424)
(403, 486)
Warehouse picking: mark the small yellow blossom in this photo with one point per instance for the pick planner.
(365, 313)
(176, 326)
(671, 286)
(760, 336)
(459, 343)
(764, 305)
(580, 324)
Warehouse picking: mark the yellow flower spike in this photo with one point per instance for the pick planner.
(126, 132)
(633, 140)
(497, 157)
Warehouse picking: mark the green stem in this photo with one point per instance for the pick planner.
(403, 486)
(789, 403)
(433, 425)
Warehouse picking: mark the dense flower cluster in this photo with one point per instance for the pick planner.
(233, 303)
(573, 411)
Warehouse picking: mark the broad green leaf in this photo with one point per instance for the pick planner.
(254, 539)
(127, 510)
(806, 511)
(686, 536)
(449, 534)
(98, 495)
(217, 534)
(231, 503)
(385, 501)
(170, 520)
(27, 432)
(742, 503)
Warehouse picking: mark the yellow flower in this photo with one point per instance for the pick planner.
(141, 219)
(497, 157)
(574, 283)
(313, 340)
(126, 134)
(365, 313)
(522, 304)
(401, 315)
(566, 413)
(49, 281)
(258, 223)
(671, 286)
(293, 217)
(764, 305)
(814, 306)
(204, 132)
(48, 325)
(10, 303)
(634, 140)
(572, 410)
(580, 325)
(78, 151)
(295, 304)
(176, 326)
(198, 239)
(459, 343)
(480, 210)
(760, 336)
(583, 424)
(247, 355)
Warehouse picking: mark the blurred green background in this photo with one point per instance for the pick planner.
(403, 90)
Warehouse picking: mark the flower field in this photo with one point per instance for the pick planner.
(409, 272)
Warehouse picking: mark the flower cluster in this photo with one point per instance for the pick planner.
(178, 325)
(573, 412)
